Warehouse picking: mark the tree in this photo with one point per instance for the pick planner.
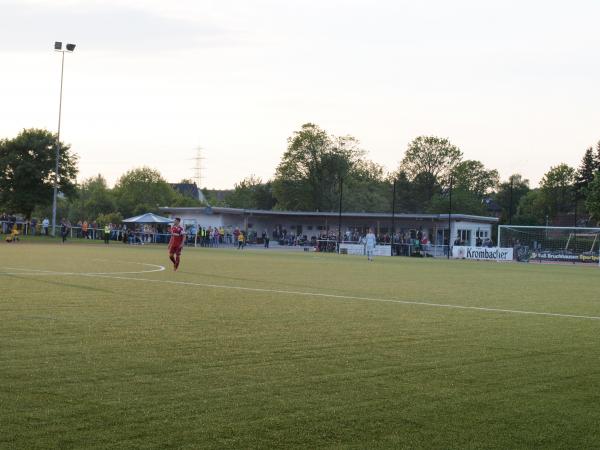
(144, 190)
(590, 164)
(509, 194)
(431, 155)
(251, 193)
(471, 181)
(472, 176)
(113, 217)
(27, 168)
(464, 201)
(309, 174)
(428, 163)
(423, 188)
(216, 197)
(365, 188)
(557, 188)
(532, 209)
(93, 198)
(263, 196)
(405, 200)
(592, 201)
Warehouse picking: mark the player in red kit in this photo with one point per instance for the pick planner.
(176, 242)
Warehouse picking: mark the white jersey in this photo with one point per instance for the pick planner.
(370, 241)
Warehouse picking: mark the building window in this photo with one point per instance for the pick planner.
(463, 237)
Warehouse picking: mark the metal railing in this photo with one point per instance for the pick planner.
(140, 237)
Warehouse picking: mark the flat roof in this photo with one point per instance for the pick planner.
(364, 215)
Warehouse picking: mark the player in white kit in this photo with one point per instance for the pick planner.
(370, 242)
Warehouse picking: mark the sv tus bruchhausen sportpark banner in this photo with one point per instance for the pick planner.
(483, 253)
(558, 256)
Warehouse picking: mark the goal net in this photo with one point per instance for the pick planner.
(551, 244)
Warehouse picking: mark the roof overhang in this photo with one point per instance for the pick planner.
(318, 214)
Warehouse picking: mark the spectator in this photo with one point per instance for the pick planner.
(94, 229)
(32, 225)
(14, 235)
(45, 224)
(215, 237)
(64, 229)
(106, 233)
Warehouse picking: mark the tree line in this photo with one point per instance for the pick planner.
(27, 166)
(314, 169)
(316, 166)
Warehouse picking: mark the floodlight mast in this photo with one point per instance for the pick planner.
(69, 49)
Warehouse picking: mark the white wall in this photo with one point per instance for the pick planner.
(203, 220)
(260, 223)
(473, 227)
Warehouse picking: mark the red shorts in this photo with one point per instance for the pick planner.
(175, 250)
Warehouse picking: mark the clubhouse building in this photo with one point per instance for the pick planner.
(317, 225)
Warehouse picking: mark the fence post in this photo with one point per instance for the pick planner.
(339, 237)
(499, 235)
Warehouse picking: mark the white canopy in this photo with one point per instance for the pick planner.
(149, 218)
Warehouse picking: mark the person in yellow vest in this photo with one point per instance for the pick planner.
(205, 237)
(241, 240)
(202, 232)
(106, 233)
(14, 234)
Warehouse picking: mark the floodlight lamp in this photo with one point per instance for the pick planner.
(58, 46)
(70, 47)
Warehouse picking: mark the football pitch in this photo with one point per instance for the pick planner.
(102, 348)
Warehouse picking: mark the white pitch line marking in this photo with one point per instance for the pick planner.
(341, 297)
(302, 293)
(28, 271)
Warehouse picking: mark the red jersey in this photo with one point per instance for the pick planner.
(177, 237)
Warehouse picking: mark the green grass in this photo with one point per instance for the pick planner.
(105, 362)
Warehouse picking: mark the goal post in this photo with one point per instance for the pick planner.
(551, 244)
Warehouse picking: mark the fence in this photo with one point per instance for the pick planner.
(137, 237)
(132, 236)
(398, 249)
(436, 251)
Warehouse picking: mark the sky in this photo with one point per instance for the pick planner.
(514, 84)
